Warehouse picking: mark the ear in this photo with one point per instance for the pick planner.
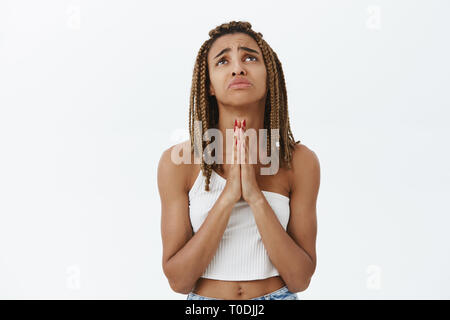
(211, 89)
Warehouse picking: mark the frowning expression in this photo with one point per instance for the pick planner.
(236, 56)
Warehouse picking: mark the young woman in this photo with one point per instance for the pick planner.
(228, 231)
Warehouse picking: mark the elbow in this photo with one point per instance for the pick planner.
(177, 283)
(304, 284)
(299, 285)
(299, 281)
(179, 287)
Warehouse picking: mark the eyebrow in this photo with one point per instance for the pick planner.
(239, 48)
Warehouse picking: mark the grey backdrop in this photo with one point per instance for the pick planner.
(92, 92)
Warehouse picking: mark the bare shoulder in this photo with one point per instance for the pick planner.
(171, 170)
(305, 166)
(302, 154)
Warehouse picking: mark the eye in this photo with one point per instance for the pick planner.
(220, 61)
(223, 59)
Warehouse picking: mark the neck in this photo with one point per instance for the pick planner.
(253, 114)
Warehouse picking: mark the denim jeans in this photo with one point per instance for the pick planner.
(280, 294)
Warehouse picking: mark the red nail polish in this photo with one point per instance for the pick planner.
(235, 122)
(243, 124)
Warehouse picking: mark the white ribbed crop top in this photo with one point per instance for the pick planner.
(241, 254)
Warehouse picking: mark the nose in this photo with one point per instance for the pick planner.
(238, 68)
(242, 72)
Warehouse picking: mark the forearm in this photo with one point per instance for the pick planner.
(292, 262)
(189, 263)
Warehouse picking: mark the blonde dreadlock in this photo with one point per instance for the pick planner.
(203, 106)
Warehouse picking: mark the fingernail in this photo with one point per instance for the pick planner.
(243, 123)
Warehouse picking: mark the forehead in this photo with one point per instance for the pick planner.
(232, 41)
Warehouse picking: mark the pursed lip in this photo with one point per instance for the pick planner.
(239, 81)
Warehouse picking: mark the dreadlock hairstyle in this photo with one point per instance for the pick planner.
(203, 106)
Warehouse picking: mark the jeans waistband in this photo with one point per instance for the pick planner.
(278, 291)
(281, 290)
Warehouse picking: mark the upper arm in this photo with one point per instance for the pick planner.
(176, 227)
(305, 181)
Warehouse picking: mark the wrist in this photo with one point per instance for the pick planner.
(256, 199)
(227, 199)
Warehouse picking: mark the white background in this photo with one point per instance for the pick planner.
(92, 92)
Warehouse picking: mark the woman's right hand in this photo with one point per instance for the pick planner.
(233, 184)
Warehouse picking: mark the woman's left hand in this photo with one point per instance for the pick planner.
(249, 186)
